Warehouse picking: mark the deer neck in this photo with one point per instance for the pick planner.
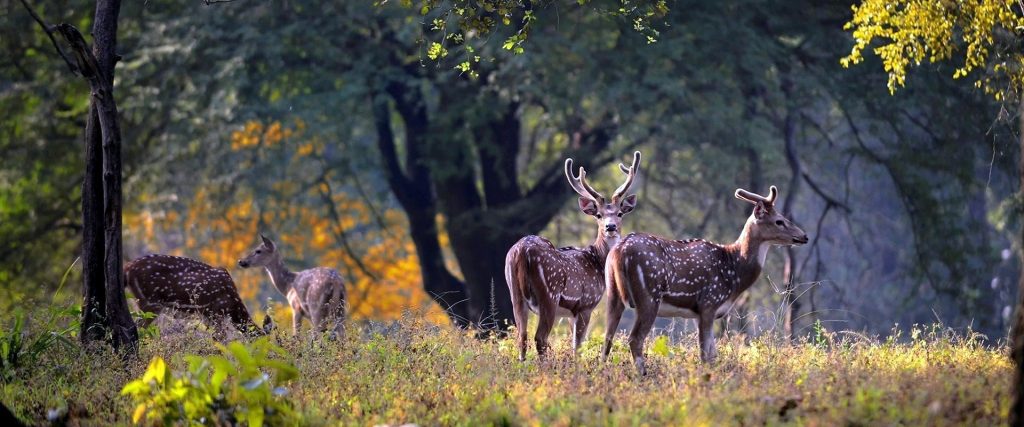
(602, 245)
(280, 276)
(750, 253)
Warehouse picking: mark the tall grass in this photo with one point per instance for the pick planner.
(413, 371)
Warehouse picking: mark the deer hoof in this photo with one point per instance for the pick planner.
(640, 365)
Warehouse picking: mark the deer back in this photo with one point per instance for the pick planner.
(687, 274)
(321, 289)
(561, 274)
(165, 281)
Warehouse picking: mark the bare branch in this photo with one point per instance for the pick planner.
(828, 199)
(49, 30)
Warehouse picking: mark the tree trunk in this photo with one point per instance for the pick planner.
(94, 307)
(412, 189)
(791, 300)
(98, 68)
(481, 250)
(1017, 336)
(442, 158)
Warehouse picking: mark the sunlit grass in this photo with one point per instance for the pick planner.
(413, 371)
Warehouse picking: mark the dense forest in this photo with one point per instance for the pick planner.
(363, 137)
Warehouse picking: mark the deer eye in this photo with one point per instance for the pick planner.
(619, 214)
(598, 216)
(779, 223)
(258, 251)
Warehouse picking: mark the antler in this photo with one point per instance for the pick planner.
(630, 176)
(754, 197)
(579, 183)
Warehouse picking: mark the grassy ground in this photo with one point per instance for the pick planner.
(414, 372)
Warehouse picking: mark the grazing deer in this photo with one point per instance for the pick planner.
(318, 293)
(567, 282)
(161, 282)
(691, 278)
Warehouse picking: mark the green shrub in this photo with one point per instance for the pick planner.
(21, 348)
(243, 385)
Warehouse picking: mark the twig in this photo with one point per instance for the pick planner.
(828, 199)
(49, 29)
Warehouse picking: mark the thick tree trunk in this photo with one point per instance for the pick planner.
(412, 189)
(481, 249)
(440, 174)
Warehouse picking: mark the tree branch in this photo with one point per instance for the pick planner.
(49, 30)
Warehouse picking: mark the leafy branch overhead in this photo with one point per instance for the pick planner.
(904, 33)
(463, 27)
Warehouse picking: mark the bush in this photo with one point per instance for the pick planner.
(228, 389)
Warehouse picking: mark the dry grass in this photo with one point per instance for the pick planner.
(414, 372)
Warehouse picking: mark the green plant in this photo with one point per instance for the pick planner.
(21, 348)
(819, 335)
(228, 389)
(150, 331)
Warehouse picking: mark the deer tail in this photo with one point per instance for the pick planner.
(516, 268)
(338, 301)
(131, 282)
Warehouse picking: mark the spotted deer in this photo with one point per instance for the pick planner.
(162, 282)
(691, 278)
(567, 282)
(317, 293)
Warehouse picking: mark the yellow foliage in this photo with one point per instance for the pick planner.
(380, 266)
(911, 31)
(255, 134)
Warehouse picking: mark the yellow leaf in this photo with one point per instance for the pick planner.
(140, 411)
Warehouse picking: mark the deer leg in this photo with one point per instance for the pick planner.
(522, 317)
(296, 320)
(319, 320)
(545, 321)
(241, 320)
(705, 329)
(615, 309)
(215, 322)
(579, 329)
(645, 316)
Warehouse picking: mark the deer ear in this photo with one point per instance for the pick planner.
(267, 242)
(628, 204)
(760, 210)
(588, 206)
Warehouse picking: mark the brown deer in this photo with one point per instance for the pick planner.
(161, 282)
(691, 278)
(317, 293)
(567, 282)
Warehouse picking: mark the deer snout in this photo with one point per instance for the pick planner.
(611, 228)
(801, 240)
(243, 263)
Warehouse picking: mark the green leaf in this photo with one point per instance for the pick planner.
(660, 346)
(255, 416)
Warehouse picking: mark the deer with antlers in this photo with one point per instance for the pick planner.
(166, 282)
(691, 278)
(567, 282)
(317, 293)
